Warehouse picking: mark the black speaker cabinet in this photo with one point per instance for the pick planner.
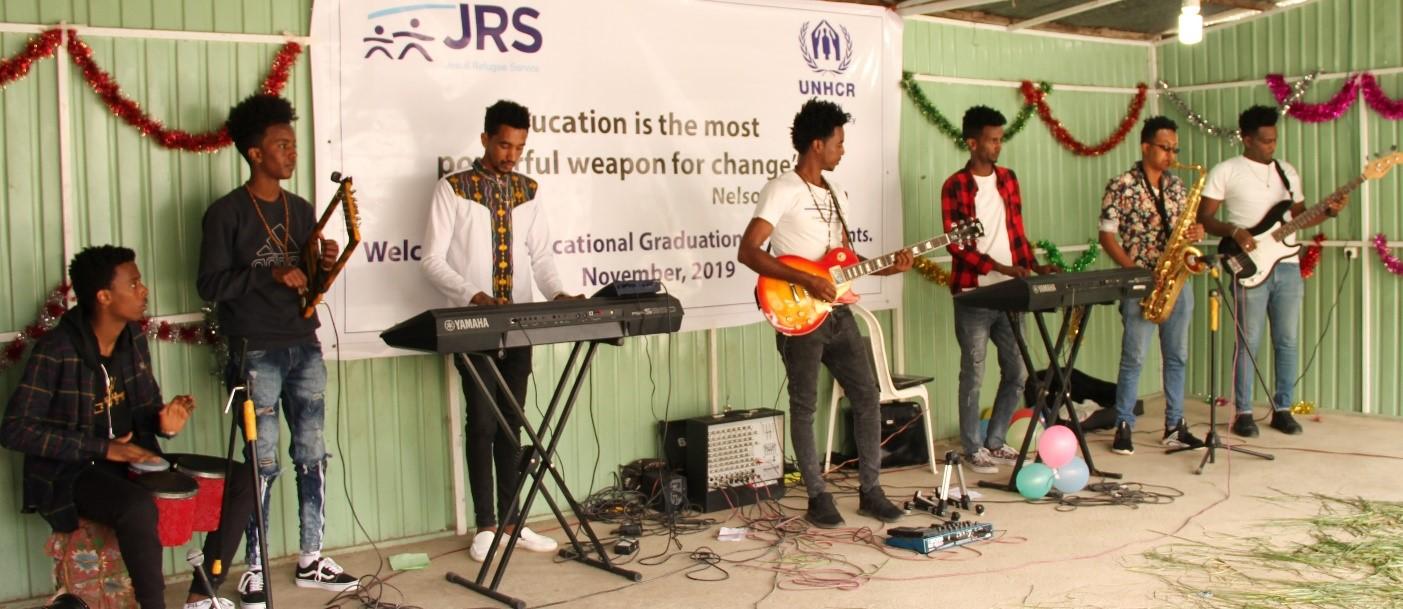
(908, 446)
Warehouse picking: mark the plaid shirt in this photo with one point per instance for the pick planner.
(51, 415)
(957, 203)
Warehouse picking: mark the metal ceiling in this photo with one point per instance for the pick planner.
(1124, 19)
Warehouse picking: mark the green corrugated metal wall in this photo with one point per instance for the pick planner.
(391, 427)
(1330, 36)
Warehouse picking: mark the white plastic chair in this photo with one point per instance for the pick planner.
(893, 388)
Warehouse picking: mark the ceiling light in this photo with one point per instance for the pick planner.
(1190, 23)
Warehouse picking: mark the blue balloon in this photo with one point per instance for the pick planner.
(1072, 476)
(1034, 481)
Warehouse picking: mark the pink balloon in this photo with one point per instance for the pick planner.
(1057, 446)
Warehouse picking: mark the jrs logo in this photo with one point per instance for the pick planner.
(427, 32)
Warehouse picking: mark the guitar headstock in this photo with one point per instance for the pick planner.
(966, 231)
(346, 194)
(1380, 166)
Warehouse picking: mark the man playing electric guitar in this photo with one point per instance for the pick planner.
(801, 214)
(1248, 187)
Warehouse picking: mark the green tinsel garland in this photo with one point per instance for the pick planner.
(936, 118)
(1054, 256)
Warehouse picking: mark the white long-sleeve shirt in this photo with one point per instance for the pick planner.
(458, 243)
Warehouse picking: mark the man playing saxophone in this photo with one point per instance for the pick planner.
(1141, 217)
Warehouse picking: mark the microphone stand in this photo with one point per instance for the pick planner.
(195, 558)
(250, 425)
(1213, 442)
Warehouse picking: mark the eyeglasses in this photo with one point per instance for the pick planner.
(1166, 148)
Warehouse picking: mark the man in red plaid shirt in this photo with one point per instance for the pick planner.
(988, 192)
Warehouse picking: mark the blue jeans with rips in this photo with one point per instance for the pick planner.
(289, 381)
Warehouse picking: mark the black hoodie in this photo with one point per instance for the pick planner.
(50, 415)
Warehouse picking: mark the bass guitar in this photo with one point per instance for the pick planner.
(1276, 237)
(793, 312)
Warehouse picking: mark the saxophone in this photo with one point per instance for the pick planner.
(1180, 258)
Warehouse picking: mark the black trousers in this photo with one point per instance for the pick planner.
(103, 494)
(487, 442)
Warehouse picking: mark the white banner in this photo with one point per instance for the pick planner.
(655, 123)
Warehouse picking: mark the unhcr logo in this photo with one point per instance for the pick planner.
(825, 50)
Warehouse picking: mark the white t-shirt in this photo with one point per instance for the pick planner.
(804, 219)
(989, 208)
(1249, 189)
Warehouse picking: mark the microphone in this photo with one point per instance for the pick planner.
(195, 558)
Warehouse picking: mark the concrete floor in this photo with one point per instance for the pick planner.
(1047, 558)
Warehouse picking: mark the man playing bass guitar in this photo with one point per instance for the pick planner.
(1248, 187)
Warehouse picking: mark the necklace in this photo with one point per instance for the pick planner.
(287, 220)
(826, 215)
(107, 400)
(1266, 180)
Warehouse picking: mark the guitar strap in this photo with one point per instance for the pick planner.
(841, 220)
(1284, 182)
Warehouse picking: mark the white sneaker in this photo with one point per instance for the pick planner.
(981, 462)
(482, 542)
(210, 603)
(251, 593)
(1003, 455)
(536, 542)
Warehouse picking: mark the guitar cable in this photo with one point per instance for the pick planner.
(370, 588)
(1329, 318)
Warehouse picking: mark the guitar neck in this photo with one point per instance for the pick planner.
(1317, 210)
(872, 265)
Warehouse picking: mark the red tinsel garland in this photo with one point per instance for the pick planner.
(128, 110)
(1038, 98)
(1312, 255)
(42, 46)
(193, 333)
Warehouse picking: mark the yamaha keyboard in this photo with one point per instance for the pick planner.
(492, 327)
(1045, 292)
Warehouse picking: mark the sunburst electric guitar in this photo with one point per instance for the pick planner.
(793, 312)
(1276, 237)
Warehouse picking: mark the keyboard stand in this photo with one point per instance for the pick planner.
(1045, 406)
(537, 464)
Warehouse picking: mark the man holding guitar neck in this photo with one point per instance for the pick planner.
(250, 266)
(985, 191)
(1248, 187)
(802, 214)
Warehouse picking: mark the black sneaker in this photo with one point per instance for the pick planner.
(1123, 445)
(1282, 421)
(325, 574)
(874, 504)
(251, 594)
(1179, 437)
(823, 512)
(1244, 426)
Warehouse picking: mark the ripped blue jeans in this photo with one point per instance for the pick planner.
(290, 381)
